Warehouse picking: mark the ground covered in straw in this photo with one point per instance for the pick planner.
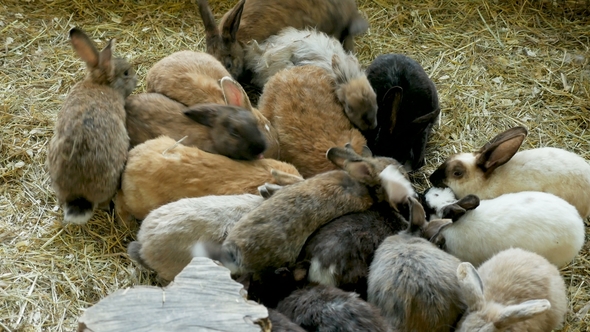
(496, 64)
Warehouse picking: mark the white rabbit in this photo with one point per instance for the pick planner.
(497, 169)
(535, 221)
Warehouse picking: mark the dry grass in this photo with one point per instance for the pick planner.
(496, 64)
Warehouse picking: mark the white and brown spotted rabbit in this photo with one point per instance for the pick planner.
(87, 153)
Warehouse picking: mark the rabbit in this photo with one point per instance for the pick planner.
(413, 282)
(272, 236)
(222, 129)
(327, 308)
(498, 169)
(195, 78)
(260, 19)
(341, 251)
(280, 323)
(535, 221)
(292, 47)
(309, 121)
(160, 171)
(516, 290)
(87, 152)
(165, 239)
(408, 108)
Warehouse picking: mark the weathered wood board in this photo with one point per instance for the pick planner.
(203, 297)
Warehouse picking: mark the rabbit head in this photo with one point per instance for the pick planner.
(103, 68)
(235, 129)
(490, 316)
(224, 45)
(471, 169)
(363, 168)
(355, 92)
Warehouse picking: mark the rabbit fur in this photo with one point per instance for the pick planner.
(223, 129)
(497, 168)
(168, 233)
(88, 150)
(259, 19)
(413, 282)
(292, 47)
(535, 221)
(309, 121)
(408, 108)
(160, 171)
(515, 291)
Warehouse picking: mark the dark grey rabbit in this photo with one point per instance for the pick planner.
(329, 309)
(408, 108)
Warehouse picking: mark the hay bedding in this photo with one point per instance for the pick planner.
(496, 64)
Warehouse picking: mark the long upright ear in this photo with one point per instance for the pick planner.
(204, 114)
(234, 94)
(393, 97)
(84, 47)
(518, 312)
(105, 58)
(471, 286)
(500, 149)
(211, 30)
(229, 31)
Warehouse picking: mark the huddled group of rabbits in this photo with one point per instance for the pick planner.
(305, 197)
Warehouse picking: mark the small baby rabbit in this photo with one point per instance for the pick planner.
(88, 150)
(260, 19)
(272, 236)
(535, 221)
(408, 108)
(308, 122)
(498, 169)
(292, 47)
(168, 233)
(327, 308)
(413, 282)
(516, 291)
(223, 129)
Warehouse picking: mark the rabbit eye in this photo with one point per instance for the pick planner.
(126, 73)
(228, 64)
(457, 174)
(233, 132)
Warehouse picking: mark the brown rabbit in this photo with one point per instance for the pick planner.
(88, 150)
(194, 77)
(223, 129)
(308, 121)
(160, 171)
(260, 19)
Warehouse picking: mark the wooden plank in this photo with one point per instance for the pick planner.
(203, 297)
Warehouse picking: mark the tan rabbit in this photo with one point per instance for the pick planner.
(302, 107)
(161, 171)
(89, 147)
(194, 77)
(260, 19)
(227, 130)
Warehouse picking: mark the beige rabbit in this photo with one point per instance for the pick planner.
(87, 153)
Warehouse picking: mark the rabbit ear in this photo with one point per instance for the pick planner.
(352, 163)
(339, 75)
(234, 94)
(468, 202)
(393, 97)
(211, 31)
(283, 178)
(339, 156)
(500, 149)
(428, 117)
(204, 114)
(229, 31)
(366, 153)
(417, 215)
(105, 58)
(268, 189)
(471, 286)
(518, 312)
(84, 47)
(433, 231)
(453, 212)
